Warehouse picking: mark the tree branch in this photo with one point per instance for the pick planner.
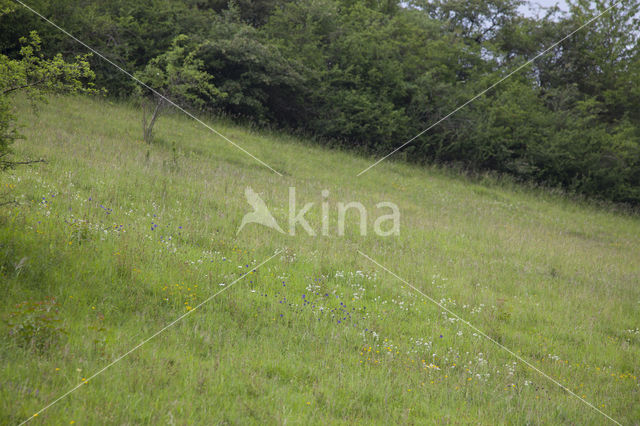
(24, 86)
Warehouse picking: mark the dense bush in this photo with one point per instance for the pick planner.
(372, 74)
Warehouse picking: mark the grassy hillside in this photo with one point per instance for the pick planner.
(116, 239)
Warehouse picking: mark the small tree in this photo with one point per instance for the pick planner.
(175, 75)
(34, 75)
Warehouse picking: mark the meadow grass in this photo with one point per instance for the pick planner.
(120, 238)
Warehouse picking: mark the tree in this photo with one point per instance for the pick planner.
(370, 74)
(34, 76)
(261, 84)
(476, 21)
(176, 75)
(253, 12)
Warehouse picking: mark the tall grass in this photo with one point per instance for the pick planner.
(124, 237)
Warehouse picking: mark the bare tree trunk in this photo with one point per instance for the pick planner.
(147, 125)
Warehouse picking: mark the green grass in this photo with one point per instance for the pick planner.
(554, 280)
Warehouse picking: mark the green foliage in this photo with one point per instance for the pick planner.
(179, 76)
(34, 75)
(475, 21)
(253, 12)
(259, 82)
(6, 6)
(370, 75)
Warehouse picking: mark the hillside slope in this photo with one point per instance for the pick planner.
(116, 239)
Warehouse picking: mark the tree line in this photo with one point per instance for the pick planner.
(369, 75)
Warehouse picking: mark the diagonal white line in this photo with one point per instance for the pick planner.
(487, 89)
(147, 339)
(148, 87)
(494, 341)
